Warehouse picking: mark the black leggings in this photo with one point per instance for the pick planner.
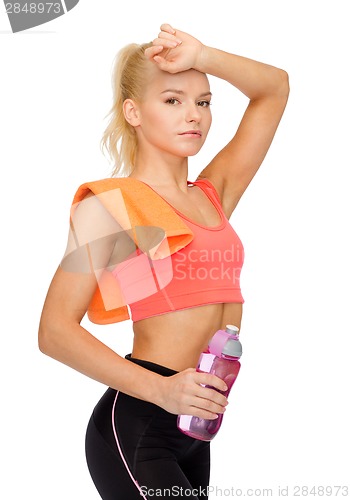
(134, 450)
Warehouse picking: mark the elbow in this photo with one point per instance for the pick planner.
(50, 339)
(283, 83)
(44, 339)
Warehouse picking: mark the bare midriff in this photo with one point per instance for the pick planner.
(176, 339)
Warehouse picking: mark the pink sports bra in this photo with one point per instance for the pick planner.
(206, 271)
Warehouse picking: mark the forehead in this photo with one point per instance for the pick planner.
(190, 81)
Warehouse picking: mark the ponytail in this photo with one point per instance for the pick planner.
(128, 80)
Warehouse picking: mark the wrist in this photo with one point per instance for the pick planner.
(201, 63)
(157, 389)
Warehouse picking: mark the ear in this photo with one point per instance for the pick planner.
(131, 112)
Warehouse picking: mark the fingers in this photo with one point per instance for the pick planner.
(167, 36)
(188, 393)
(150, 52)
(153, 54)
(207, 409)
(209, 402)
(162, 50)
(160, 45)
(211, 399)
(204, 378)
(167, 42)
(205, 404)
(167, 28)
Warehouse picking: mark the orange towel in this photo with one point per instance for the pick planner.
(148, 219)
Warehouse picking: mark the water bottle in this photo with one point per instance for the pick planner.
(222, 360)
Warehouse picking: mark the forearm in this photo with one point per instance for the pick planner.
(184, 394)
(74, 346)
(255, 79)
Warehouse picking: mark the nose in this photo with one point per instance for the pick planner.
(193, 113)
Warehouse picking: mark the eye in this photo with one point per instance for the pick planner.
(204, 104)
(172, 101)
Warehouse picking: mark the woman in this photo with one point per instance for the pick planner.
(162, 115)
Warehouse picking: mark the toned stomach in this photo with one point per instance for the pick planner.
(176, 339)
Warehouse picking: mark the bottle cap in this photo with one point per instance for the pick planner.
(232, 329)
(225, 342)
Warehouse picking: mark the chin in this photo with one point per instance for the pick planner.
(190, 151)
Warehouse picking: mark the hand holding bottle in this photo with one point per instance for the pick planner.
(222, 359)
(195, 393)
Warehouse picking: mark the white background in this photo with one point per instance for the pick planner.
(288, 420)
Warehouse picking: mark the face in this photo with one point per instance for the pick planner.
(174, 115)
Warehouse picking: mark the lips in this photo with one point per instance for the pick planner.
(192, 133)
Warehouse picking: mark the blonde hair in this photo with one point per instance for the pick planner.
(128, 81)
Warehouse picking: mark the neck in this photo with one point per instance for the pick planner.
(166, 171)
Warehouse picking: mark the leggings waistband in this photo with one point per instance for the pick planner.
(153, 367)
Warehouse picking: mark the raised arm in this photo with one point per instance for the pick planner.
(267, 88)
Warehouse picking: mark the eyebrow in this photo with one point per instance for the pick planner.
(181, 92)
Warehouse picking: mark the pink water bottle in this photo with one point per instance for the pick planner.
(222, 359)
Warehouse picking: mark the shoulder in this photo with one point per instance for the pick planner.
(99, 186)
(208, 186)
(106, 184)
